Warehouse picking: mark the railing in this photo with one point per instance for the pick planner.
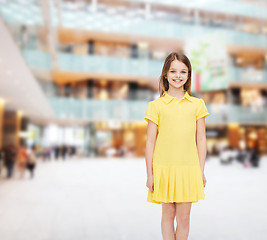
(246, 75)
(112, 65)
(132, 110)
(94, 64)
(121, 66)
(234, 7)
(98, 110)
(236, 114)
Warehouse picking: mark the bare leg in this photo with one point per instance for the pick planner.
(21, 169)
(22, 172)
(167, 221)
(183, 220)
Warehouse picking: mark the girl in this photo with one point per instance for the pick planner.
(31, 161)
(22, 160)
(176, 147)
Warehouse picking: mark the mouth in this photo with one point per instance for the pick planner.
(177, 80)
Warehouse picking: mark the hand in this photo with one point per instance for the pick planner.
(204, 179)
(150, 183)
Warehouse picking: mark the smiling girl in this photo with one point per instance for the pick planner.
(176, 147)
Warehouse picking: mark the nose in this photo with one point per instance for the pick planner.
(178, 75)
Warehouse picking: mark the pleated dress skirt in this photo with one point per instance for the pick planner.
(176, 183)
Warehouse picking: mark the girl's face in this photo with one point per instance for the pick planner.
(177, 74)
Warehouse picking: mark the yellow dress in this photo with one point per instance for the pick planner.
(176, 167)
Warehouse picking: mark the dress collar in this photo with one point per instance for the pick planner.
(167, 98)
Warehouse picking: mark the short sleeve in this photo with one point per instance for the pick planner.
(201, 110)
(152, 113)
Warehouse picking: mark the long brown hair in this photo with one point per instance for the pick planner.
(163, 83)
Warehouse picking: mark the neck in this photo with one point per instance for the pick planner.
(179, 93)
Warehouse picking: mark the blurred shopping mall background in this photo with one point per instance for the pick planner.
(76, 77)
(80, 73)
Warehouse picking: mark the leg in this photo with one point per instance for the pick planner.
(31, 171)
(30, 167)
(9, 170)
(183, 220)
(22, 170)
(167, 221)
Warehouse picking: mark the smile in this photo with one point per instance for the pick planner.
(177, 80)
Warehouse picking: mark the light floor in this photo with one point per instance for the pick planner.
(105, 199)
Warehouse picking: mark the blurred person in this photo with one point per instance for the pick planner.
(46, 153)
(31, 161)
(74, 151)
(49, 152)
(38, 150)
(80, 152)
(215, 150)
(1, 159)
(226, 155)
(130, 151)
(247, 157)
(119, 151)
(233, 153)
(10, 154)
(64, 151)
(241, 151)
(255, 157)
(241, 155)
(22, 159)
(57, 152)
(175, 155)
(111, 152)
(43, 154)
(71, 151)
(124, 150)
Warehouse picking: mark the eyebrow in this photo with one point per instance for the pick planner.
(181, 69)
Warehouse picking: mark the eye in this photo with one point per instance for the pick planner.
(183, 72)
(172, 71)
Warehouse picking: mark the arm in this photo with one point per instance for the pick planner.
(150, 145)
(201, 142)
